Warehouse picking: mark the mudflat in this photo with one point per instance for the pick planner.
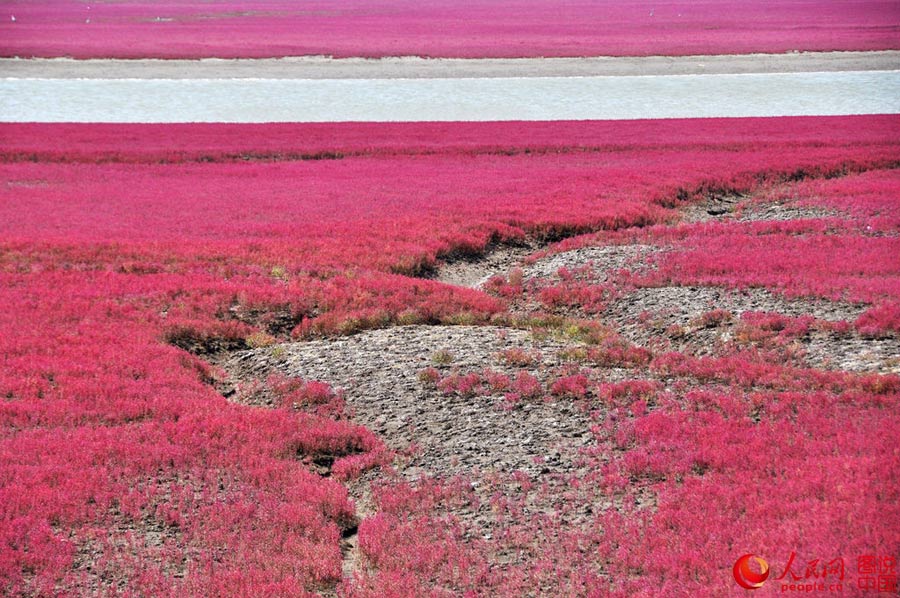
(407, 67)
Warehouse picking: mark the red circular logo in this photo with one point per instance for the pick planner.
(746, 577)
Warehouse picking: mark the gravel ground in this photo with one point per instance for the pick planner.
(742, 208)
(378, 374)
(645, 315)
(475, 272)
(681, 306)
(603, 260)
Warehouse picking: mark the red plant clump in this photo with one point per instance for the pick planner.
(519, 357)
(779, 466)
(312, 397)
(126, 248)
(879, 321)
(507, 28)
(770, 322)
(464, 385)
(834, 266)
(574, 386)
(591, 297)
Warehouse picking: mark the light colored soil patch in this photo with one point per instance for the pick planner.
(854, 354)
(602, 260)
(378, 373)
(474, 273)
(481, 439)
(740, 208)
(647, 317)
(502, 260)
(361, 494)
(643, 312)
(781, 212)
(713, 208)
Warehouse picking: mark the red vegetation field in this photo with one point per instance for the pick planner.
(127, 251)
(508, 28)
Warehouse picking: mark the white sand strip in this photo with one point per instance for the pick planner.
(321, 67)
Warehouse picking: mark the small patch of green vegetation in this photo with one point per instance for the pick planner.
(442, 357)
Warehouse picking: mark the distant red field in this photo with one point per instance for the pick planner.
(128, 250)
(508, 28)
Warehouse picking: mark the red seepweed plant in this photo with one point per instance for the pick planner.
(126, 249)
(507, 28)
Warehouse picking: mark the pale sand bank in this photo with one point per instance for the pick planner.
(321, 67)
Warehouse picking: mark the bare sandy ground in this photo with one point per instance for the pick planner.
(323, 67)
